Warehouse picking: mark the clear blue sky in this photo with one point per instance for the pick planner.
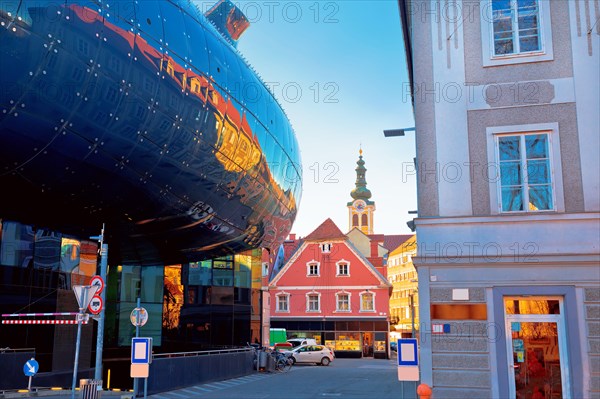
(339, 70)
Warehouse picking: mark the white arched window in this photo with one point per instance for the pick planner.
(342, 268)
(367, 301)
(313, 268)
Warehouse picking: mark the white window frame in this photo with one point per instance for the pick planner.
(308, 295)
(326, 247)
(493, 170)
(363, 293)
(546, 52)
(313, 263)
(279, 296)
(337, 268)
(337, 302)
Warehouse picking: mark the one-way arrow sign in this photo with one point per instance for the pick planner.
(31, 367)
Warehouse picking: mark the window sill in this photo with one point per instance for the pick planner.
(515, 213)
(521, 58)
(342, 275)
(343, 311)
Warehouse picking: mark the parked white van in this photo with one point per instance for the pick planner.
(302, 341)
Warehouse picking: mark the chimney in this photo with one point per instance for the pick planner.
(374, 250)
(292, 237)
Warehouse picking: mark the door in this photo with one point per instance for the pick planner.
(367, 344)
(536, 347)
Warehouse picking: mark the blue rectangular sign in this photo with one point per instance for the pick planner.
(407, 352)
(141, 350)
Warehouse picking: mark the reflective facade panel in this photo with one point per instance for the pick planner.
(141, 115)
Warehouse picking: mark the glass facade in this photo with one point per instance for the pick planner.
(191, 306)
(176, 117)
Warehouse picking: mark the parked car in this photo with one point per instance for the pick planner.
(302, 341)
(318, 354)
(285, 346)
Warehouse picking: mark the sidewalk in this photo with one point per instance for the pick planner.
(60, 394)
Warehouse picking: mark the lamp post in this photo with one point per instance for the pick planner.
(412, 313)
(412, 307)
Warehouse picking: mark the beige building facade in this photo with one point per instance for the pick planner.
(404, 301)
(506, 99)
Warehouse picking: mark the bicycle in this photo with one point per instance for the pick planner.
(283, 362)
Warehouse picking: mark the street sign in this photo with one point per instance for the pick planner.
(141, 350)
(31, 367)
(139, 370)
(407, 352)
(99, 282)
(95, 305)
(84, 294)
(408, 360)
(138, 317)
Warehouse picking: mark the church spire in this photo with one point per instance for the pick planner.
(361, 209)
(361, 191)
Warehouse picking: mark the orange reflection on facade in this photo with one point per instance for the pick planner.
(88, 262)
(173, 297)
(237, 148)
(531, 306)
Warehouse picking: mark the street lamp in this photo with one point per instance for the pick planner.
(397, 132)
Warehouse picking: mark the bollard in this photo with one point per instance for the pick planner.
(424, 391)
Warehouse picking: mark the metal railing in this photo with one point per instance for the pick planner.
(201, 353)
(16, 350)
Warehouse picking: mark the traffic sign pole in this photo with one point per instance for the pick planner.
(84, 294)
(100, 335)
(137, 334)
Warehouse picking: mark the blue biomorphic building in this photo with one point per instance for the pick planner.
(143, 116)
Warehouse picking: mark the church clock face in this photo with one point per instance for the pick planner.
(359, 205)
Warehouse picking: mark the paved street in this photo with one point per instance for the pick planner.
(344, 378)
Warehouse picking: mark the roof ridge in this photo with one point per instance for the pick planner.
(326, 230)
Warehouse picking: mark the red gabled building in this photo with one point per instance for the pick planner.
(328, 290)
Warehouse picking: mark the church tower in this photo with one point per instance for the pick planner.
(360, 210)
